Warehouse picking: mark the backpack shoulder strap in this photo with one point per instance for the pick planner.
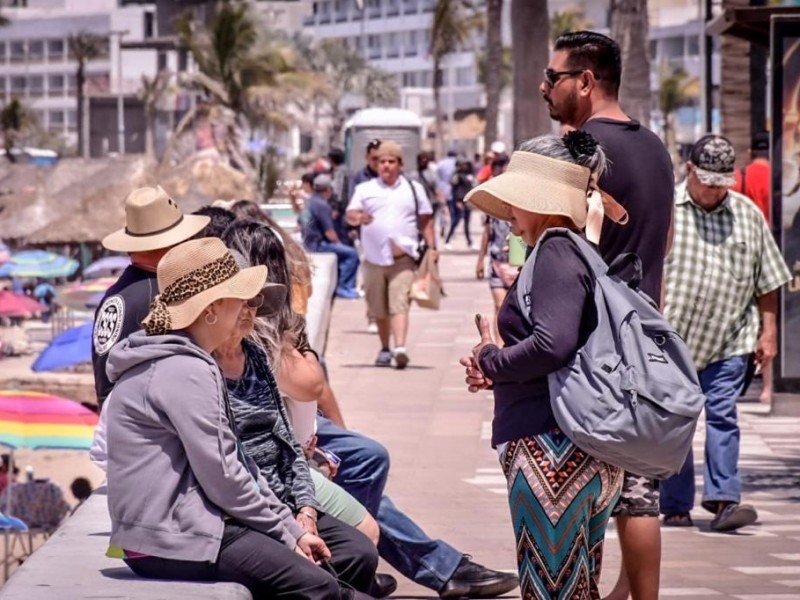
(525, 279)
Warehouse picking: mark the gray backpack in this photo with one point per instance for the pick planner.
(630, 396)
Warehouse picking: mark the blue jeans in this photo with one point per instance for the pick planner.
(363, 473)
(348, 261)
(722, 384)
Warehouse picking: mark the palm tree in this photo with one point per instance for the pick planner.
(241, 70)
(735, 93)
(629, 27)
(151, 93)
(676, 89)
(16, 120)
(565, 22)
(84, 47)
(453, 23)
(493, 76)
(529, 34)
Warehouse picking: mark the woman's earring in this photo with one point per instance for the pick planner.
(209, 321)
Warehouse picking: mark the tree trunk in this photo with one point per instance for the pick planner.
(437, 107)
(150, 135)
(529, 34)
(735, 89)
(79, 82)
(493, 68)
(629, 27)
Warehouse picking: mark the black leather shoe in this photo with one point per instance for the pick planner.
(476, 581)
(384, 585)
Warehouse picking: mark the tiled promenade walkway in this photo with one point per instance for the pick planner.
(445, 474)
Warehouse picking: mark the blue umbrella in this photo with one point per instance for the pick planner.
(38, 263)
(110, 265)
(72, 347)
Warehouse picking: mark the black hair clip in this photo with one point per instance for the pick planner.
(580, 143)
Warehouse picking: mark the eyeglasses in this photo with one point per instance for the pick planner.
(551, 77)
(373, 145)
(255, 302)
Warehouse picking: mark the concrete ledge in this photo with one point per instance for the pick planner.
(318, 316)
(73, 564)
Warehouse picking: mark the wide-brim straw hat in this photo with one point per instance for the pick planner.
(193, 275)
(537, 184)
(153, 221)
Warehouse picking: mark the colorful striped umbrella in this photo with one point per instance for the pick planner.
(15, 305)
(107, 266)
(79, 295)
(38, 263)
(36, 420)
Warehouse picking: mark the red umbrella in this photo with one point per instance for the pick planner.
(14, 305)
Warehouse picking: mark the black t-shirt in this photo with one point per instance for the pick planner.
(124, 307)
(641, 179)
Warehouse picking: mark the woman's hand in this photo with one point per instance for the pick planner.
(486, 339)
(480, 268)
(476, 380)
(313, 548)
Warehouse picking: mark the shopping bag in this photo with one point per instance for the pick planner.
(426, 290)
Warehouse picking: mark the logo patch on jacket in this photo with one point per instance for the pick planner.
(108, 324)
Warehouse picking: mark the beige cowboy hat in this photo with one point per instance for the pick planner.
(153, 221)
(543, 185)
(194, 274)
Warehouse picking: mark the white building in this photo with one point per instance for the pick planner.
(36, 65)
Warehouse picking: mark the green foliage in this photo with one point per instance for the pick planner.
(506, 68)
(566, 22)
(17, 122)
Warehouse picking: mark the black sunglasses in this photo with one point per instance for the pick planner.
(256, 301)
(373, 145)
(551, 77)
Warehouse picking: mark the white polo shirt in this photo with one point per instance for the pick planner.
(394, 218)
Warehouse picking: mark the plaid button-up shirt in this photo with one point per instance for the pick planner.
(721, 261)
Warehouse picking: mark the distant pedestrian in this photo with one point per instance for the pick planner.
(319, 235)
(461, 182)
(722, 279)
(392, 211)
(370, 170)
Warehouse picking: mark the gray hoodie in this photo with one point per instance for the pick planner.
(175, 467)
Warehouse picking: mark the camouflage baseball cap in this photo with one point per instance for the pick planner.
(713, 158)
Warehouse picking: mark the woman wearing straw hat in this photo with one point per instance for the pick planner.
(183, 498)
(560, 497)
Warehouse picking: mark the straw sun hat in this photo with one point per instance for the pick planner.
(543, 185)
(193, 275)
(153, 221)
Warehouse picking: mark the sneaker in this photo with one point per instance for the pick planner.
(734, 516)
(372, 327)
(476, 581)
(400, 357)
(384, 358)
(448, 246)
(347, 293)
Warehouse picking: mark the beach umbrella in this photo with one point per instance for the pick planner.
(72, 347)
(36, 420)
(38, 263)
(17, 305)
(79, 295)
(105, 267)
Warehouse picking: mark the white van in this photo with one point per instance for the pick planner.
(397, 124)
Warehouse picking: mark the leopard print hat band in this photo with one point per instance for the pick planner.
(192, 276)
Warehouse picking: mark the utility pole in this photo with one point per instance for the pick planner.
(706, 49)
(120, 93)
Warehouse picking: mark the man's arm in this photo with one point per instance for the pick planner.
(767, 345)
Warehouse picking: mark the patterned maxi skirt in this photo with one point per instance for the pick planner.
(561, 499)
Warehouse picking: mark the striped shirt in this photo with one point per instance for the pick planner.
(721, 262)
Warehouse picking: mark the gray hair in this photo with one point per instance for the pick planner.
(553, 146)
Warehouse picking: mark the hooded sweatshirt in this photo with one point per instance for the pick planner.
(175, 466)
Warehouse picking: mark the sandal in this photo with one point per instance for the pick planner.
(678, 520)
